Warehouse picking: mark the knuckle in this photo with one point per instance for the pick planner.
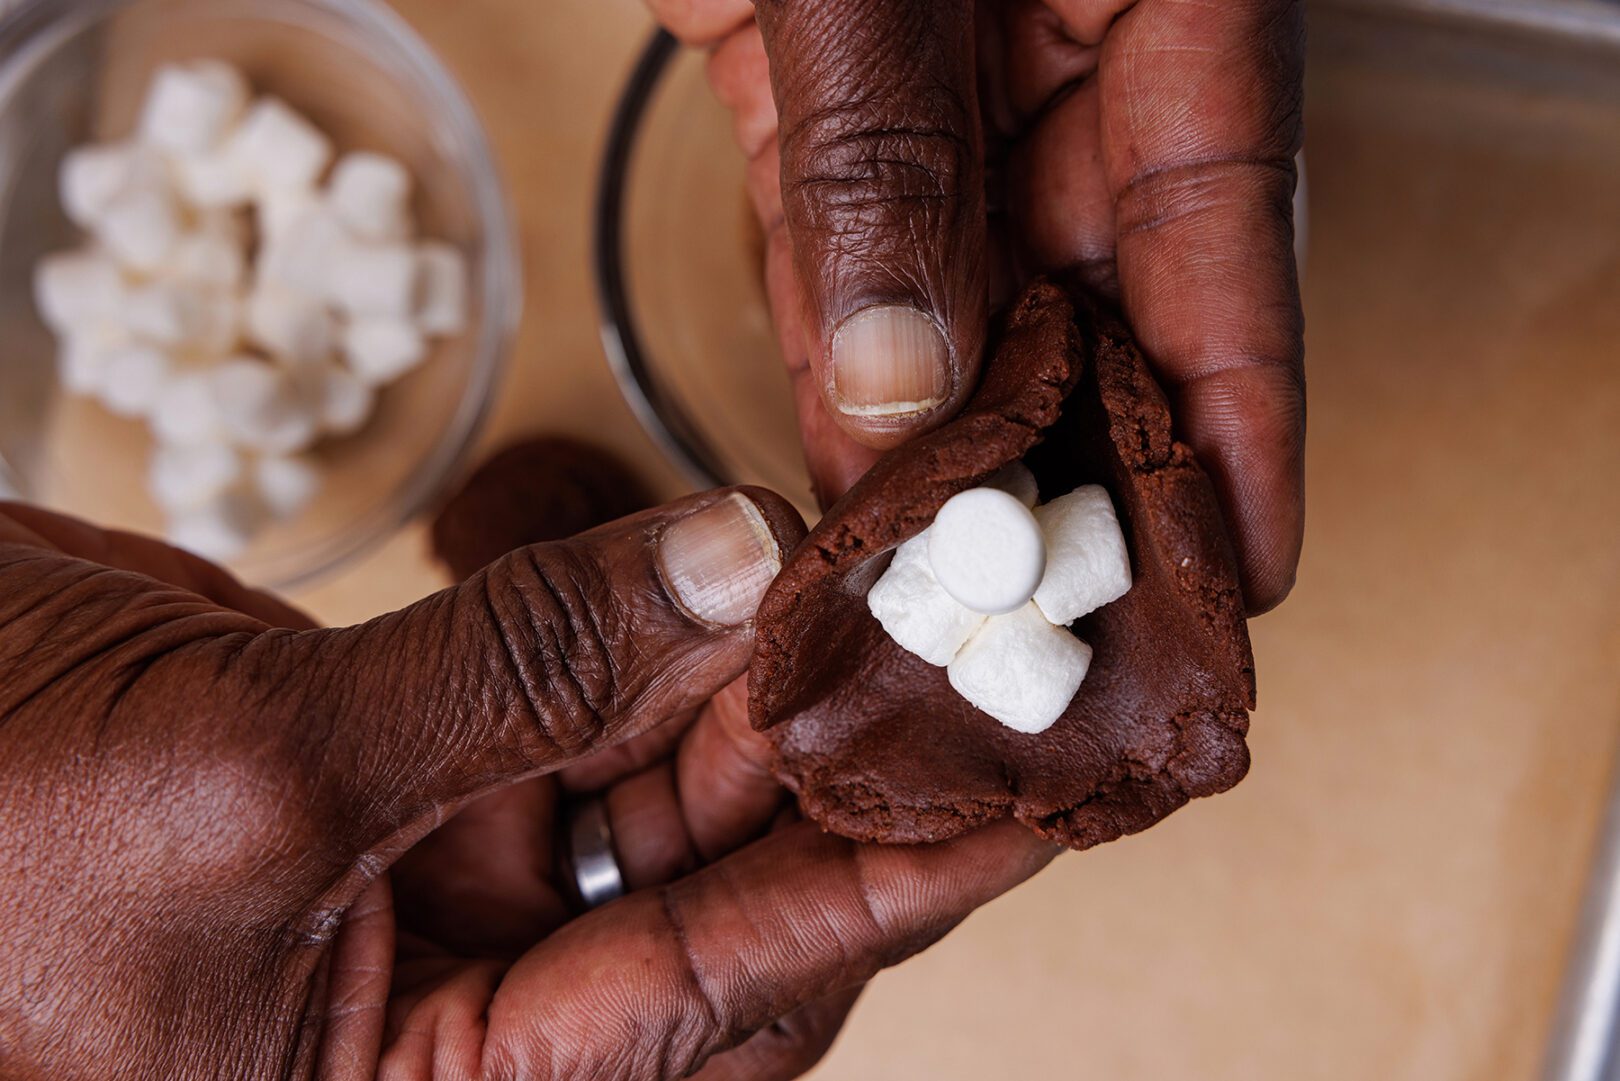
(1156, 199)
(849, 173)
(559, 630)
(1257, 407)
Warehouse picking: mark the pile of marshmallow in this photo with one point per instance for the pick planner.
(988, 590)
(236, 304)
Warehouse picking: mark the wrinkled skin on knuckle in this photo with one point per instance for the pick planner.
(1178, 197)
(856, 175)
(878, 139)
(558, 627)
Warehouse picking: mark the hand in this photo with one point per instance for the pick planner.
(218, 853)
(1144, 145)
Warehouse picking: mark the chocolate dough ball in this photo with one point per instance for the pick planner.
(539, 490)
(876, 743)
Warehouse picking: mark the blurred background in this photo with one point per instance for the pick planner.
(1395, 890)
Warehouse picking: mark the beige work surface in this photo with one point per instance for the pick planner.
(1391, 892)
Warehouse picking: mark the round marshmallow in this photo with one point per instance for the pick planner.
(302, 253)
(191, 106)
(342, 400)
(221, 528)
(291, 326)
(378, 280)
(380, 351)
(261, 407)
(182, 478)
(141, 227)
(186, 413)
(442, 300)
(132, 380)
(92, 177)
(986, 550)
(371, 194)
(82, 357)
(212, 258)
(279, 147)
(72, 289)
(212, 180)
(286, 485)
(1016, 480)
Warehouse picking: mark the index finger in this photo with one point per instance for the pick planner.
(657, 982)
(1201, 119)
(1172, 163)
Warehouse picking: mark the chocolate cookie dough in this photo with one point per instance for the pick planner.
(875, 742)
(539, 490)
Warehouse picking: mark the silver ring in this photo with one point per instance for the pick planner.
(590, 842)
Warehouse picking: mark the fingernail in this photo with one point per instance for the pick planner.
(888, 361)
(719, 561)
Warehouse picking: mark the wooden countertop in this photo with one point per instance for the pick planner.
(1391, 892)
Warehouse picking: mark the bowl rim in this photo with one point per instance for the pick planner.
(661, 415)
(499, 265)
(1586, 23)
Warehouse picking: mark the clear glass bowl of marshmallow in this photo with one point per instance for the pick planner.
(257, 273)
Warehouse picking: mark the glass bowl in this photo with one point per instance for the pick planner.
(76, 72)
(680, 278)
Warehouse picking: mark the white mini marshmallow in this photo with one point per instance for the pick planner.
(161, 312)
(220, 529)
(83, 354)
(195, 319)
(920, 616)
(132, 380)
(371, 195)
(191, 106)
(261, 408)
(92, 177)
(212, 180)
(278, 210)
(141, 227)
(342, 400)
(442, 290)
(376, 280)
(279, 147)
(181, 478)
(379, 351)
(1087, 563)
(987, 551)
(1021, 670)
(291, 326)
(219, 328)
(286, 485)
(228, 223)
(75, 289)
(303, 253)
(212, 258)
(1016, 480)
(186, 413)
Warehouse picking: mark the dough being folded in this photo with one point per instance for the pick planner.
(875, 742)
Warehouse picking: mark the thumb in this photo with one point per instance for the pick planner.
(549, 654)
(883, 194)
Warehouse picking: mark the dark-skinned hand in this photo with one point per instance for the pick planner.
(233, 845)
(915, 161)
